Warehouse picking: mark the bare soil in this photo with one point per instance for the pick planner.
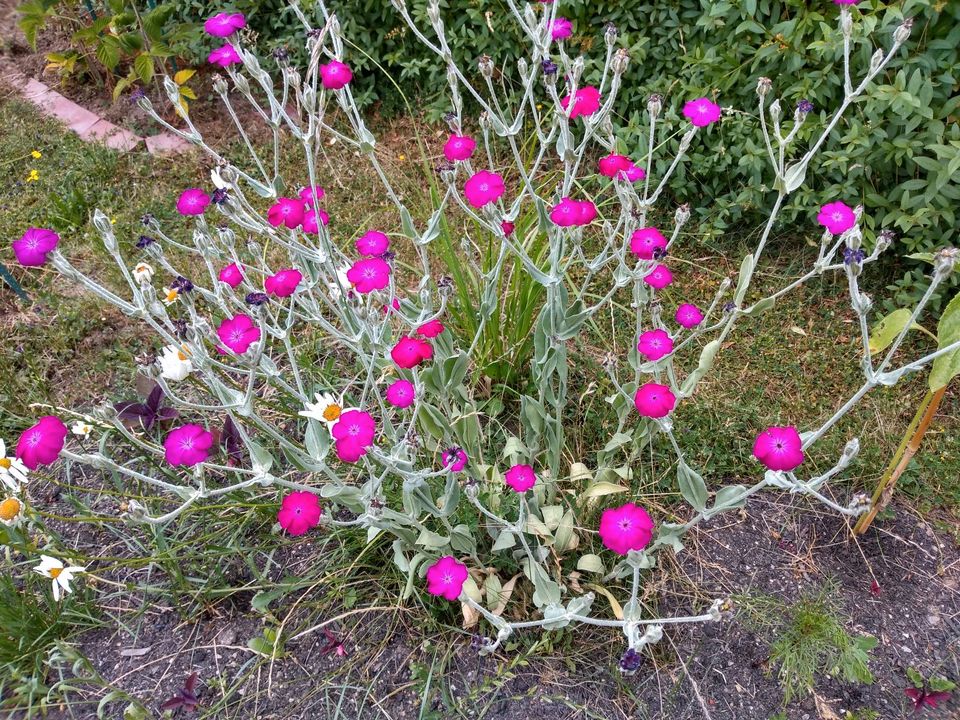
(722, 671)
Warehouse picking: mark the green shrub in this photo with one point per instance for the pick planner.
(904, 170)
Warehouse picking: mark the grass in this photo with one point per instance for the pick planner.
(807, 639)
(221, 560)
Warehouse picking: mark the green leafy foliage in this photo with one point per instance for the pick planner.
(904, 170)
(808, 638)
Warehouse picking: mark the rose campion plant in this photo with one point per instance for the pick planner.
(400, 432)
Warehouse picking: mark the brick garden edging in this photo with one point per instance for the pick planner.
(89, 126)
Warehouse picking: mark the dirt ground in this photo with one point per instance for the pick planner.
(900, 583)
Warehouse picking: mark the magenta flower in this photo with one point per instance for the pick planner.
(459, 147)
(306, 194)
(779, 448)
(192, 201)
(569, 212)
(654, 401)
(34, 245)
(373, 242)
(520, 477)
(507, 227)
(688, 316)
(299, 512)
(455, 459)
(286, 211)
(238, 333)
(395, 304)
(620, 166)
(659, 277)
(41, 443)
(400, 394)
(483, 187)
(445, 578)
(225, 56)
(283, 283)
(355, 425)
(625, 528)
(410, 352)
(224, 24)
(613, 164)
(561, 28)
(369, 274)
(585, 102)
(187, 445)
(635, 173)
(349, 451)
(310, 220)
(701, 112)
(431, 329)
(232, 275)
(655, 344)
(836, 217)
(646, 241)
(335, 75)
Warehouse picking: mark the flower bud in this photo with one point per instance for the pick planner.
(240, 82)
(902, 33)
(876, 60)
(549, 70)
(621, 60)
(483, 120)
(433, 12)
(945, 260)
(522, 68)
(764, 85)
(219, 84)
(486, 66)
(775, 110)
(885, 239)
(682, 214)
(654, 105)
(610, 34)
(576, 70)
(685, 140)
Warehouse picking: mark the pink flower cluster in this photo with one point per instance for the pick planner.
(573, 213)
(621, 167)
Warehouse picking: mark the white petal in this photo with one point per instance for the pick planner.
(56, 591)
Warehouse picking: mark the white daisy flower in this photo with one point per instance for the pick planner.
(11, 511)
(326, 409)
(60, 574)
(143, 273)
(81, 428)
(175, 363)
(170, 295)
(13, 473)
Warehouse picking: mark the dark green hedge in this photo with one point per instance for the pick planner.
(900, 153)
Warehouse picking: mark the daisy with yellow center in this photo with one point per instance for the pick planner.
(60, 574)
(170, 296)
(13, 473)
(327, 409)
(175, 363)
(81, 429)
(11, 511)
